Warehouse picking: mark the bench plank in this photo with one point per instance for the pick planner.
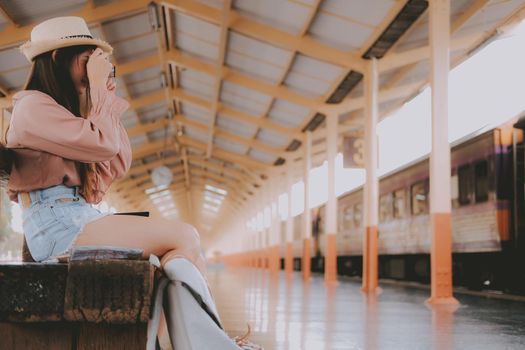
(115, 291)
(32, 292)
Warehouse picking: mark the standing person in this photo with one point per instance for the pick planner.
(67, 146)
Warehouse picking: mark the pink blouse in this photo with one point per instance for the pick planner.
(47, 140)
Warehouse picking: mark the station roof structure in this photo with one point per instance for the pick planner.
(222, 92)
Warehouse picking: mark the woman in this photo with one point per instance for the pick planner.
(68, 146)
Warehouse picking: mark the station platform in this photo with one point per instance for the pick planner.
(288, 313)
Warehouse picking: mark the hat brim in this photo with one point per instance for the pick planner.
(33, 49)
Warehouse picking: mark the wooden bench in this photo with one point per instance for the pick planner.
(91, 304)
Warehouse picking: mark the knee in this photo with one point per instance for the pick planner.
(190, 240)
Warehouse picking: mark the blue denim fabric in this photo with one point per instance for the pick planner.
(52, 225)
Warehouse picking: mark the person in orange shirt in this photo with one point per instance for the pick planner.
(67, 145)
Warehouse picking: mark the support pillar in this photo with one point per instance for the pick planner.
(371, 190)
(440, 206)
(288, 260)
(267, 231)
(275, 229)
(307, 221)
(330, 265)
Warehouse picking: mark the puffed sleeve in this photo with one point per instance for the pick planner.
(40, 123)
(117, 167)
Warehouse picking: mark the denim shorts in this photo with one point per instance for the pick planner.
(51, 224)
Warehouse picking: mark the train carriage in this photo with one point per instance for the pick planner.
(487, 215)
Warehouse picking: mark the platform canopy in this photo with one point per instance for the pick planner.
(222, 92)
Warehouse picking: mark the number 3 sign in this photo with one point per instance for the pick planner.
(353, 152)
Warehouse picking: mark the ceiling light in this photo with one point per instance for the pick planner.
(216, 190)
(161, 176)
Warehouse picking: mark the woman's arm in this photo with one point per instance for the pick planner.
(117, 167)
(40, 123)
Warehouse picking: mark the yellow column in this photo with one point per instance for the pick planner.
(371, 190)
(330, 266)
(307, 221)
(441, 243)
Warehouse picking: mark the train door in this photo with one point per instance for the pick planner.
(518, 200)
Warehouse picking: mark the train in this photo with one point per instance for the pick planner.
(488, 217)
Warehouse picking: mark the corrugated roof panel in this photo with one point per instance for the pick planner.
(14, 80)
(213, 3)
(419, 73)
(288, 113)
(129, 119)
(201, 118)
(194, 112)
(257, 58)
(25, 12)
(195, 36)
(285, 15)
(236, 126)
(127, 27)
(12, 59)
(493, 13)
(3, 23)
(143, 81)
(386, 76)
(248, 100)
(196, 134)
(144, 87)
(306, 84)
(153, 111)
(261, 156)
(138, 140)
(160, 134)
(197, 83)
(366, 12)
(121, 89)
(135, 48)
(316, 69)
(230, 146)
(102, 2)
(147, 73)
(272, 138)
(359, 17)
(312, 76)
(457, 7)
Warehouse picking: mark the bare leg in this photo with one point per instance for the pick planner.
(157, 236)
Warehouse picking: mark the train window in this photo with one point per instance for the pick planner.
(399, 203)
(419, 192)
(358, 210)
(386, 207)
(464, 184)
(482, 181)
(348, 217)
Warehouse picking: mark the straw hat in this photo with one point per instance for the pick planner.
(60, 32)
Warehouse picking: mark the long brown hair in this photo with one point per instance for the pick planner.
(51, 75)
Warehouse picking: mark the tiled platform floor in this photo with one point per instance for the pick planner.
(290, 314)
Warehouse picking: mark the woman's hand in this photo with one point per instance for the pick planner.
(98, 68)
(111, 84)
